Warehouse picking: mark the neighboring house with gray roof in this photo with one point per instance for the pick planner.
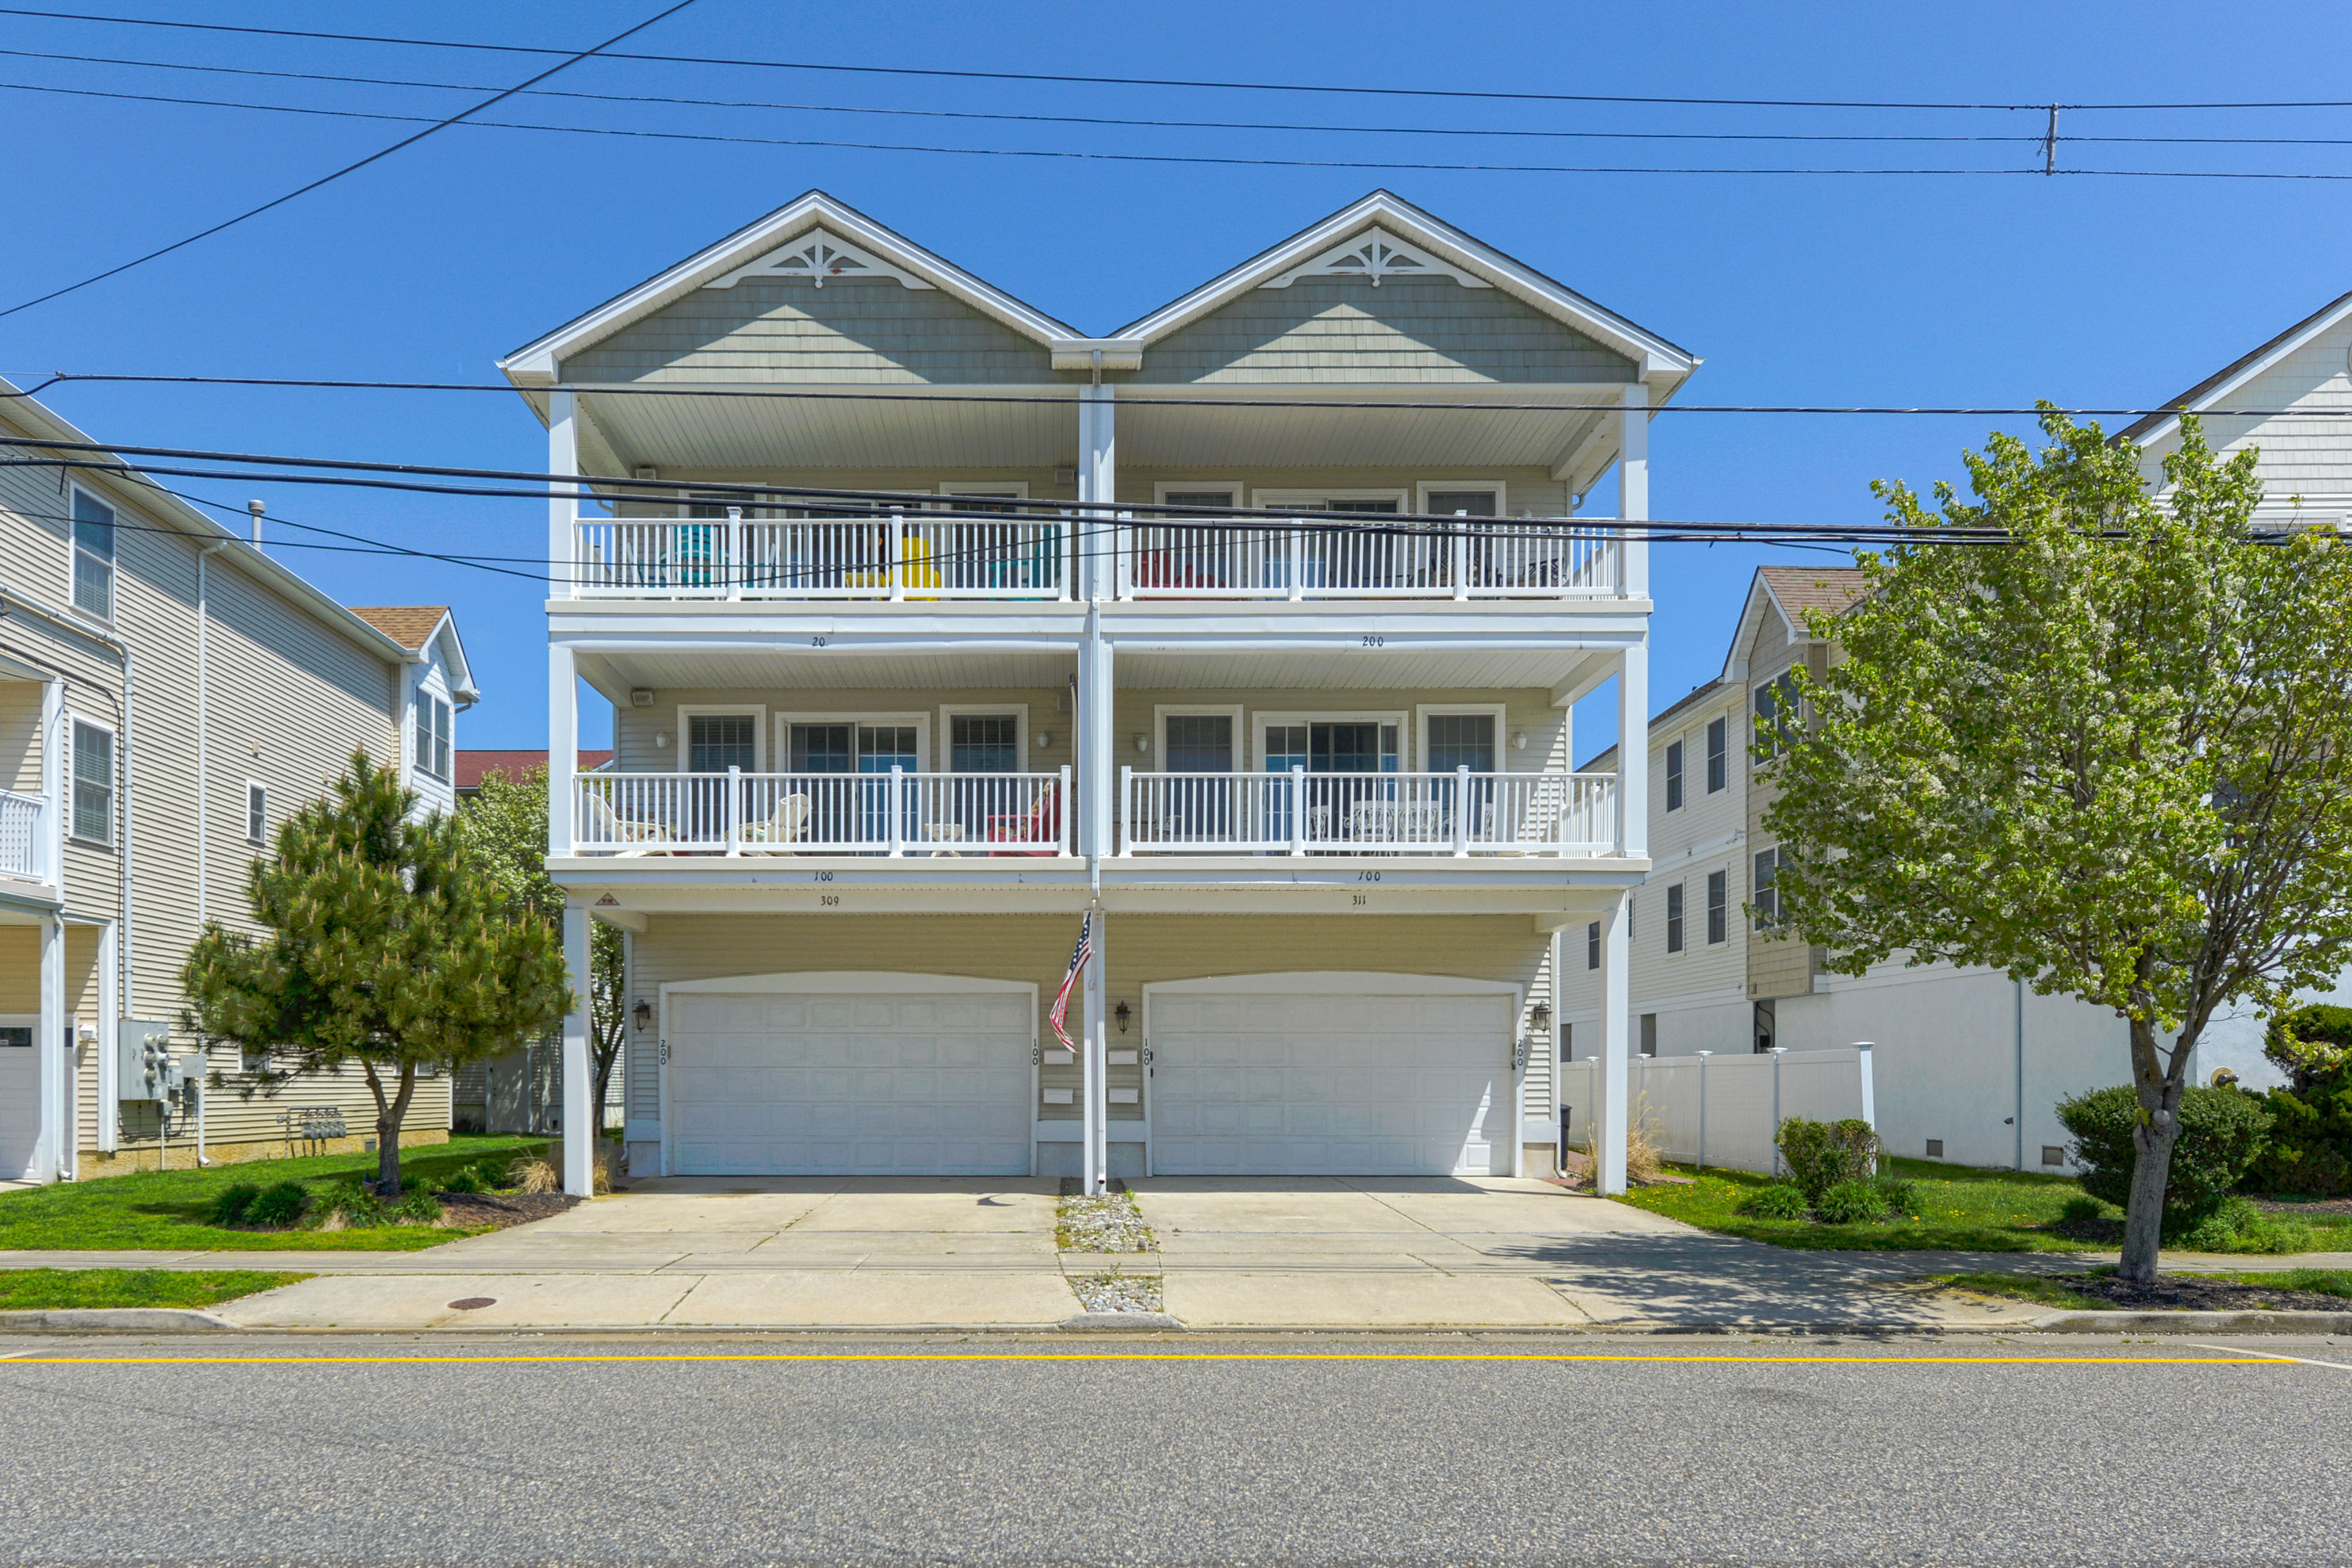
(168, 693)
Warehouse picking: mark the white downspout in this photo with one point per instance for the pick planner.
(204, 722)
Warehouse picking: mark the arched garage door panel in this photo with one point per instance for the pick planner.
(1265, 1083)
(936, 1083)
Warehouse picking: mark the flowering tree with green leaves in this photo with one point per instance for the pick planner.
(388, 942)
(2095, 734)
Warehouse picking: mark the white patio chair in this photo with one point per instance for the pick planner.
(607, 828)
(786, 827)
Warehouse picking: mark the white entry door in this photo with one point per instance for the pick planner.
(1345, 1076)
(872, 1080)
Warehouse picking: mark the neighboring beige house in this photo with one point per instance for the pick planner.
(168, 692)
(1250, 629)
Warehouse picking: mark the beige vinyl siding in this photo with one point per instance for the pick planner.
(856, 332)
(635, 729)
(1139, 949)
(20, 736)
(1525, 490)
(1134, 712)
(2299, 457)
(1415, 329)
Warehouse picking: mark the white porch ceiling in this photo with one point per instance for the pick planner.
(858, 432)
(613, 673)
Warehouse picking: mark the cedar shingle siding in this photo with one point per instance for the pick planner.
(874, 332)
(1343, 330)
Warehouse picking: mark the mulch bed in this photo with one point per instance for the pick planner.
(498, 1210)
(2098, 1232)
(2304, 1206)
(2189, 1293)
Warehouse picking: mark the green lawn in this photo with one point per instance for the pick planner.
(1976, 1211)
(1966, 1210)
(166, 1208)
(2023, 1288)
(21, 1289)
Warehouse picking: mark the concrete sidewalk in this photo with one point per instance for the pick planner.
(1234, 1254)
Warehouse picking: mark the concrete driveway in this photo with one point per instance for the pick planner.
(1234, 1253)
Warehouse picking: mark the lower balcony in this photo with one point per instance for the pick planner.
(26, 836)
(899, 813)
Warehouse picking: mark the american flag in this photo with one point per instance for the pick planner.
(1078, 956)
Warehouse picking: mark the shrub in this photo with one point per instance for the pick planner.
(2310, 1044)
(2222, 1133)
(1901, 1196)
(230, 1207)
(351, 1202)
(530, 1173)
(1851, 1203)
(1821, 1154)
(2310, 1148)
(1779, 1201)
(2081, 1211)
(277, 1205)
(2237, 1225)
(465, 1179)
(416, 1207)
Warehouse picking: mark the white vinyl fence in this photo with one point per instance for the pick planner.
(1709, 1110)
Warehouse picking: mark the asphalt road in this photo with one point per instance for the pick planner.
(1675, 1451)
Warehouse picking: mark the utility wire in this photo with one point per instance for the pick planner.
(348, 168)
(1083, 155)
(1067, 399)
(1119, 121)
(1078, 80)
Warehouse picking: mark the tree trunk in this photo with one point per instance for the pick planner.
(389, 1114)
(2152, 1140)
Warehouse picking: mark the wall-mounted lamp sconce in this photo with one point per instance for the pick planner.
(643, 1013)
(661, 738)
(1539, 1017)
(1044, 739)
(1142, 741)
(1122, 1014)
(1519, 740)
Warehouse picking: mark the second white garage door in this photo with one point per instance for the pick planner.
(868, 1081)
(1348, 1082)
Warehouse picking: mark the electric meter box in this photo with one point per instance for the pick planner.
(144, 1064)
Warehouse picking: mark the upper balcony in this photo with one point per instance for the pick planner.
(1041, 553)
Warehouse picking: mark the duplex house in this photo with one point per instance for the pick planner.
(168, 693)
(1243, 638)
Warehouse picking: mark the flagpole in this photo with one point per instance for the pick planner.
(1097, 1074)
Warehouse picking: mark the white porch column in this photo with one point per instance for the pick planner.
(1097, 484)
(1633, 485)
(562, 500)
(49, 1059)
(1616, 1042)
(562, 745)
(1634, 749)
(1096, 1167)
(110, 1037)
(582, 1124)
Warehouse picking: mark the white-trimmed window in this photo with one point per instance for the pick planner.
(1766, 899)
(93, 783)
(1674, 917)
(257, 812)
(93, 555)
(1592, 945)
(1673, 775)
(433, 732)
(1716, 920)
(1718, 743)
(1461, 497)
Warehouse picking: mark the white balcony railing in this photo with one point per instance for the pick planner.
(1301, 559)
(1299, 812)
(24, 836)
(926, 555)
(893, 813)
(896, 555)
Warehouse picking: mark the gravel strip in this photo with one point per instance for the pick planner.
(1119, 1292)
(1110, 1222)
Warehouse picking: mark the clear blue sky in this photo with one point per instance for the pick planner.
(1812, 289)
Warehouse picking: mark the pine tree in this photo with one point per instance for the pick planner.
(390, 942)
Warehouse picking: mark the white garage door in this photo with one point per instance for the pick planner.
(922, 1083)
(1339, 1085)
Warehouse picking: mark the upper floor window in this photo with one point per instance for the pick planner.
(93, 783)
(1717, 738)
(256, 814)
(1462, 741)
(1675, 775)
(1715, 899)
(1459, 503)
(93, 556)
(984, 743)
(1767, 897)
(1776, 711)
(1592, 945)
(1674, 917)
(432, 736)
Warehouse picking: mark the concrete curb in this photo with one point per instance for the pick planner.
(2193, 1323)
(1153, 1320)
(111, 1319)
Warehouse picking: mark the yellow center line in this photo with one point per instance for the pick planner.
(2254, 1358)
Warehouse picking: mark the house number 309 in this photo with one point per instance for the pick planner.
(828, 900)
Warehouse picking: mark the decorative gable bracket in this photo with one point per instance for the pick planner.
(817, 255)
(1375, 254)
